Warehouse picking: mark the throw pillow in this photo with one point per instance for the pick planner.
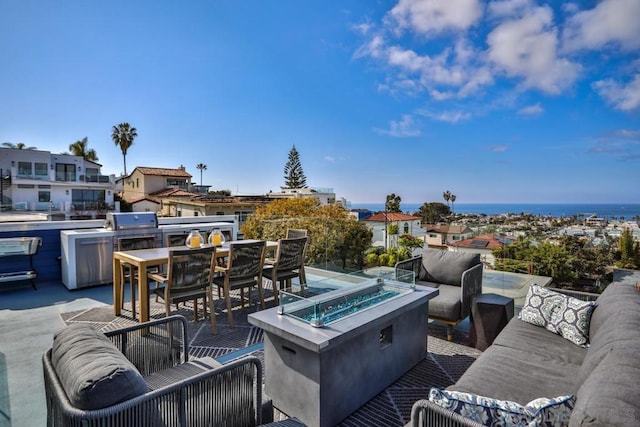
(561, 314)
(93, 372)
(494, 412)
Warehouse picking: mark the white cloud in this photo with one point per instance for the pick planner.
(401, 129)
(330, 159)
(625, 97)
(429, 17)
(611, 21)
(623, 143)
(499, 148)
(527, 48)
(446, 116)
(531, 110)
(508, 8)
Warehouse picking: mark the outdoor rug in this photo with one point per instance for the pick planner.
(444, 363)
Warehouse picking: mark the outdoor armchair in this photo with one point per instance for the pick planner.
(129, 271)
(174, 390)
(458, 277)
(243, 269)
(189, 276)
(288, 263)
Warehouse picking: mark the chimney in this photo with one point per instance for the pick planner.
(182, 168)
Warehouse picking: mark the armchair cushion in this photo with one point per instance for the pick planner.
(561, 314)
(494, 412)
(446, 306)
(92, 371)
(446, 267)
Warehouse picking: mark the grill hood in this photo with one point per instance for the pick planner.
(131, 220)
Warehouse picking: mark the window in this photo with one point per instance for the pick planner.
(87, 199)
(406, 228)
(65, 172)
(44, 196)
(24, 168)
(41, 169)
(91, 174)
(26, 186)
(173, 182)
(242, 216)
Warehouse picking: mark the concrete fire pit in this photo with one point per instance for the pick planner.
(323, 374)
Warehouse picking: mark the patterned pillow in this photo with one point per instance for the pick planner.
(561, 314)
(493, 412)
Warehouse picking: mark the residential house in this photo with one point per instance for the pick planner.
(325, 196)
(440, 235)
(38, 180)
(483, 245)
(146, 187)
(198, 205)
(379, 224)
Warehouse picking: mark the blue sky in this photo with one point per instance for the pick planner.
(500, 101)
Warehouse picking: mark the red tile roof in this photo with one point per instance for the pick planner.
(492, 241)
(447, 228)
(163, 172)
(391, 216)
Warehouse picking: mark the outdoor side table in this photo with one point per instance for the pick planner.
(489, 314)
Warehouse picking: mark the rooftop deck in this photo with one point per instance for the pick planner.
(29, 318)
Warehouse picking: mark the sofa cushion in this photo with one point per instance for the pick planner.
(446, 306)
(561, 314)
(494, 412)
(93, 373)
(615, 297)
(446, 267)
(518, 375)
(615, 325)
(519, 335)
(610, 396)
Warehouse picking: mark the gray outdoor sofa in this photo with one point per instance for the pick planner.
(142, 375)
(458, 277)
(527, 362)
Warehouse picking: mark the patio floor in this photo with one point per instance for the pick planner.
(29, 318)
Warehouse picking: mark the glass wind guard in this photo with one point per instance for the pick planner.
(324, 301)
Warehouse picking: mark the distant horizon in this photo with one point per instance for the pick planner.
(503, 203)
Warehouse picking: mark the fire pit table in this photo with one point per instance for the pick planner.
(333, 345)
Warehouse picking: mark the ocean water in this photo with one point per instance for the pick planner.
(603, 210)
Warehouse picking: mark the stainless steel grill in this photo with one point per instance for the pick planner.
(131, 221)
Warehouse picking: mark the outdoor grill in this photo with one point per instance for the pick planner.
(133, 224)
(131, 220)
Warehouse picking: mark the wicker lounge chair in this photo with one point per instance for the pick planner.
(163, 385)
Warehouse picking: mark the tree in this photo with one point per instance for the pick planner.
(453, 200)
(123, 136)
(335, 237)
(433, 212)
(19, 146)
(293, 174)
(201, 167)
(393, 203)
(449, 197)
(629, 251)
(80, 148)
(446, 196)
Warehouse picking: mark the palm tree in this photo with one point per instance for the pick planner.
(123, 136)
(201, 167)
(19, 146)
(446, 196)
(453, 200)
(79, 148)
